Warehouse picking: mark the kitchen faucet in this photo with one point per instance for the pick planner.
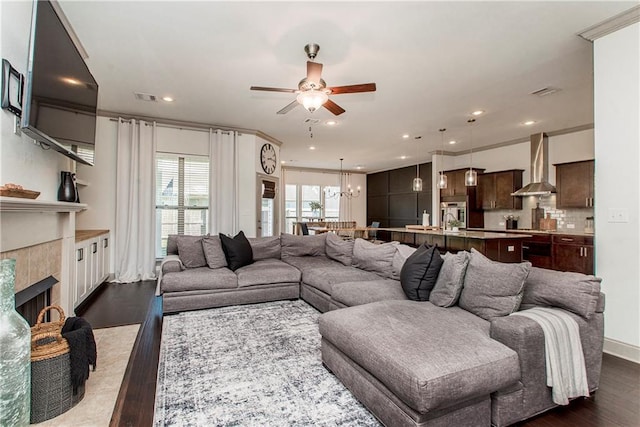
(449, 214)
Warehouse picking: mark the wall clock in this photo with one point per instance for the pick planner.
(268, 158)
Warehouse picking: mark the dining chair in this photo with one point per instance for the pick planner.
(304, 228)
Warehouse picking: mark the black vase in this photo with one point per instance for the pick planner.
(67, 189)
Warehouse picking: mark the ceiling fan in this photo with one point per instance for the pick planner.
(313, 92)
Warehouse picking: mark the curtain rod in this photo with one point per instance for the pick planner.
(165, 125)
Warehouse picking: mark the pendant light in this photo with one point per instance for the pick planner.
(417, 181)
(471, 176)
(442, 180)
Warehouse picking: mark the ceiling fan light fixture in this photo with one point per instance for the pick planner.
(312, 99)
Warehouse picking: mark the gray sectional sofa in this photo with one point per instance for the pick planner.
(462, 358)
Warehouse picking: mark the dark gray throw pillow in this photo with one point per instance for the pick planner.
(420, 272)
(190, 251)
(237, 250)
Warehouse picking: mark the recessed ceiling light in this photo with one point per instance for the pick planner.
(312, 147)
(478, 112)
(331, 122)
(528, 122)
(403, 157)
(71, 81)
(282, 162)
(359, 167)
(167, 98)
(405, 136)
(453, 141)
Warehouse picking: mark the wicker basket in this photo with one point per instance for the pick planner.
(51, 389)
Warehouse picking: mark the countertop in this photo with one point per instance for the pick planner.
(538, 232)
(82, 235)
(471, 234)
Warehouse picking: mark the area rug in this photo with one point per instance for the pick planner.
(114, 347)
(253, 365)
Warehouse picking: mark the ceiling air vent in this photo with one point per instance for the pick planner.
(145, 97)
(545, 91)
(311, 121)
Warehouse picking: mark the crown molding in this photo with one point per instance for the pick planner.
(613, 24)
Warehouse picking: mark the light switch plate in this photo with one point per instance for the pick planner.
(618, 215)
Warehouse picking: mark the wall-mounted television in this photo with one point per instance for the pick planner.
(61, 95)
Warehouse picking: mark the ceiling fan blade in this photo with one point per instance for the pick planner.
(364, 87)
(273, 89)
(289, 107)
(314, 71)
(333, 107)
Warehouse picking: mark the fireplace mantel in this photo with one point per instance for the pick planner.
(14, 204)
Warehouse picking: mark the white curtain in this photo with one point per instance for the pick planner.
(135, 201)
(224, 215)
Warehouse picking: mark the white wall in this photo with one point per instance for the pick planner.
(617, 186)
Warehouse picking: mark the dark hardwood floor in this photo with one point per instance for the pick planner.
(616, 403)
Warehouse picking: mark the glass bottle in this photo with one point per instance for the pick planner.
(15, 353)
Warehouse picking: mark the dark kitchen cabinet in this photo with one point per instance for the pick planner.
(495, 188)
(455, 185)
(574, 184)
(537, 250)
(573, 253)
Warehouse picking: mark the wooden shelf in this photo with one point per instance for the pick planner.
(14, 204)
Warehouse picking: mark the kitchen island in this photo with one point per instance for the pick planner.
(503, 247)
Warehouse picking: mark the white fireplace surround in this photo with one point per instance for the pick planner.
(42, 226)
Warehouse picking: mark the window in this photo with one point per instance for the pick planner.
(182, 197)
(299, 199)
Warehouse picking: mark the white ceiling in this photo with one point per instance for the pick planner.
(433, 63)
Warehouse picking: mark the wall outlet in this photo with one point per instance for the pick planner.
(501, 223)
(618, 215)
(511, 248)
(571, 225)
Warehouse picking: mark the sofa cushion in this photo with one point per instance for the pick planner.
(267, 271)
(213, 252)
(265, 247)
(325, 278)
(190, 251)
(202, 278)
(377, 258)
(237, 250)
(575, 292)
(307, 263)
(492, 289)
(338, 249)
(358, 293)
(402, 253)
(447, 289)
(311, 245)
(420, 272)
(172, 244)
(429, 357)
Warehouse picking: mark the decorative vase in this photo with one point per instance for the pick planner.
(67, 189)
(15, 353)
(75, 186)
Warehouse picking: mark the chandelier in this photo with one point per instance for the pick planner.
(349, 193)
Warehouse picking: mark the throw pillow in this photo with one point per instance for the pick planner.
(447, 289)
(213, 252)
(308, 245)
(420, 272)
(576, 292)
(190, 251)
(265, 247)
(237, 250)
(338, 249)
(492, 289)
(402, 253)
(377, 258)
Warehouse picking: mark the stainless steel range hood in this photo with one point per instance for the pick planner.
(539, 185)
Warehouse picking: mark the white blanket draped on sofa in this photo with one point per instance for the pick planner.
(566, 372)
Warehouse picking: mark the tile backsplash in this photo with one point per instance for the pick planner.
(569, 220)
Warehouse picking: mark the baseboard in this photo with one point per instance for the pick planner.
(622, 350)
